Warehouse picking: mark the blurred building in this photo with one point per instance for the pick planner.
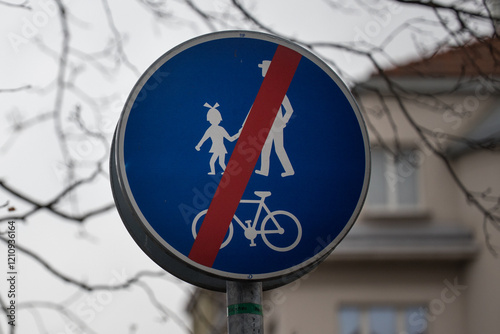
(417, 260)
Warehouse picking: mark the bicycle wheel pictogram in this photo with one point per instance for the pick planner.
(197, 224)
(281, 231)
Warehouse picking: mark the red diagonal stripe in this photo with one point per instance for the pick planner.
(240, 166)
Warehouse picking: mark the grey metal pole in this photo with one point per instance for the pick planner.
(244, 308)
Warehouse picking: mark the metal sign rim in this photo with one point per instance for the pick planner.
(118, 166)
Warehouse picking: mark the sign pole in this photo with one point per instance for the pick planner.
(244, 307)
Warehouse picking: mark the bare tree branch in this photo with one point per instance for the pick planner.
(205, 17)
(252, 18)
(63, 311)
(61, 87)
(120, 286)
(122, 56)
(51, 205)
(23, 5)
(166, 312)
(458, 11)
(15, 90)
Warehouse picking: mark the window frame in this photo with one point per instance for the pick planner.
(391, 207)
(401, 313)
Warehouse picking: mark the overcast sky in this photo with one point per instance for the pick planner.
(101, 251)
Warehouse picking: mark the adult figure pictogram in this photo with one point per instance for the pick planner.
(275, 137)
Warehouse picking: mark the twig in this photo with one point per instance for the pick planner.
(24, 5)
(167, 312)
(87, 287)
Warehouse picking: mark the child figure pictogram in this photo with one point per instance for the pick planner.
(217, 134)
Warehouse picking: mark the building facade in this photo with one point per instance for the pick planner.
(421, 259)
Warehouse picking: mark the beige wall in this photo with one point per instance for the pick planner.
(481, 171)
(311, 304)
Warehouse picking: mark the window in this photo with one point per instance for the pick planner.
(394, 181)
(382, 320)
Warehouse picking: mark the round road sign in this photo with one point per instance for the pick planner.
(239, 156)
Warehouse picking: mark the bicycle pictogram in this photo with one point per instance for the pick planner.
(280, 230)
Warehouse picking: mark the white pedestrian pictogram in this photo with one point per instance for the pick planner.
(275, 137)
(217, 134)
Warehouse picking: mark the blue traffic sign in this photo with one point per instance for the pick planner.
(240, 156)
